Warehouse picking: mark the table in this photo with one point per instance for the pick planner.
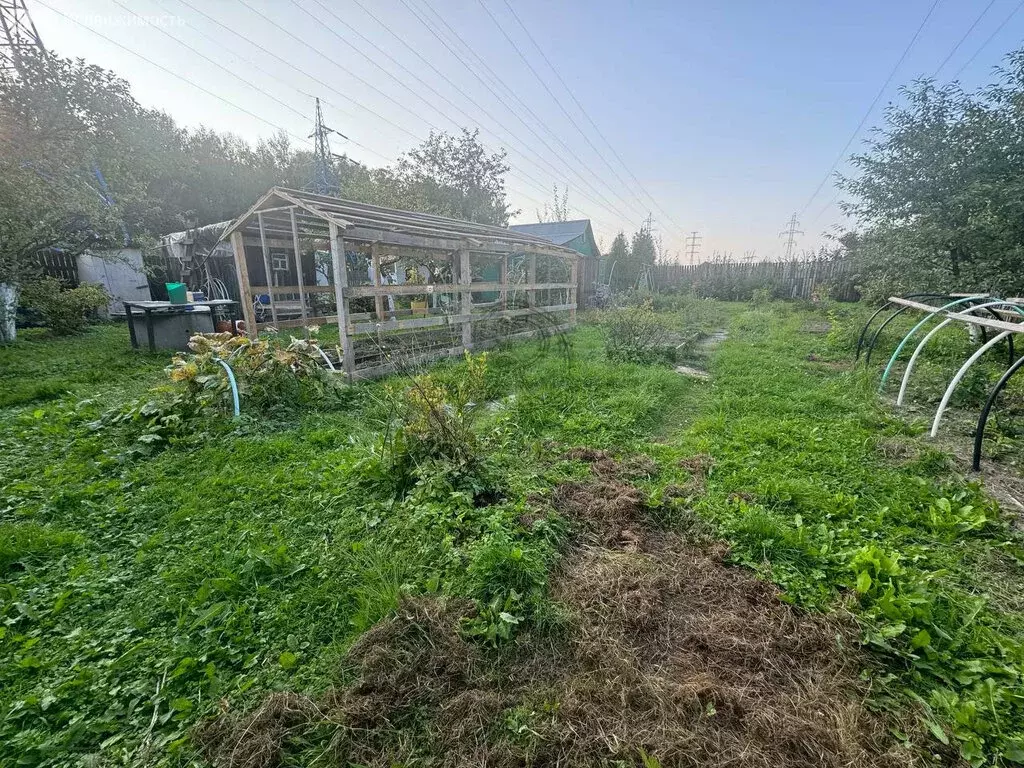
(148, 308)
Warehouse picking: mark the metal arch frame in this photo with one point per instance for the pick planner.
(915, 329)
(979, 434)
(881, 309)
(961, 373)
(920, 347)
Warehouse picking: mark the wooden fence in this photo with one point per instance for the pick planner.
(736, 280)
(62, 266)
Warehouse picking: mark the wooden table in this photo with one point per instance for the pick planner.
(148, 308)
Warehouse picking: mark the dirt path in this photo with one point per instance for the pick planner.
(665, 653)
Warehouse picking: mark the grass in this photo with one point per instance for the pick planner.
(39, 368)
(806, 493)
(247, 558)
(141, 592)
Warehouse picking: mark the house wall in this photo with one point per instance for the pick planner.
(590, 266)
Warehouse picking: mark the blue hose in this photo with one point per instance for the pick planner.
(231, 381)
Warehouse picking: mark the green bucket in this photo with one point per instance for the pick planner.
(176, 293)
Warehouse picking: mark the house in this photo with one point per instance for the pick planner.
(579, 236)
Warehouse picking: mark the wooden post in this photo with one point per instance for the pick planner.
(298, 266)
(378, 300)
(466, 297)
(266, 268)
(504, 282)
(245, 291)
(531, 279)
(573, 292)
(340, 284)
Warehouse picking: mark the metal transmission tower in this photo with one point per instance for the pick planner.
(693, 241)
(20, 35)
(324, 181)
(790, 233)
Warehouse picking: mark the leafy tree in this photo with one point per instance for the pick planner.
(618, 260)
(450, 175)
(643, 254)
(940, 190)
(61, 122)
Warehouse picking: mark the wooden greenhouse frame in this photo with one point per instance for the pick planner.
(304, 259)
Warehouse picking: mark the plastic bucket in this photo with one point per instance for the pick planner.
(176, 293)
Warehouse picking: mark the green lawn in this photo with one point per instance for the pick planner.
(246, 559)
(38, 368)
(140, 591)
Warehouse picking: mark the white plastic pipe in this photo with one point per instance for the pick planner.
(961, 373)
(940, 326)
(913, 359)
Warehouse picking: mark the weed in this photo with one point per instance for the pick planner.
(638, 335)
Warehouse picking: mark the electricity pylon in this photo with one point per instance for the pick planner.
(19, 36)
(324, 181)
(790, 233)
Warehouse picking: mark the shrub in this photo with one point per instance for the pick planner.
(64, 310)
(638, 335)
(436, 416)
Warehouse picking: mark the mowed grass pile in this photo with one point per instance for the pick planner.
(140, 593)
(823, 490)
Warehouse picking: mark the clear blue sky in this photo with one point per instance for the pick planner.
(727, 113)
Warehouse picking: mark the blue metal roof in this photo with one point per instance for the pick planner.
(558, 232)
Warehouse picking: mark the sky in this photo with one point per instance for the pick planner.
(721, 118)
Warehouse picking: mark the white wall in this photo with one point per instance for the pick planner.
(120, 272)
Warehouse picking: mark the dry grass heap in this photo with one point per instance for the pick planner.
(668, 652)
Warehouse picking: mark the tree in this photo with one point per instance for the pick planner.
(940, 191)
(62, 125)
(618, 259)
(643, 254)
(450, 175)
(558, 210)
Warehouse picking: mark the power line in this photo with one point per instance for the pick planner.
(871, 107)
(526, 153)
(827, 205)
(610, 207)
(989, 39)
(584, 113)
(526, 107)
(962, 39)
(204, 57)
(321, 82)
(400, 105)
(170, 72)
(248, 62)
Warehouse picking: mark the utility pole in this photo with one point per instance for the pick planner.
(790, 233)
(324, 181)
(693, 242)
(19, 36)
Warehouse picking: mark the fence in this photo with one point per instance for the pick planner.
(62, 266)
(736, 280)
